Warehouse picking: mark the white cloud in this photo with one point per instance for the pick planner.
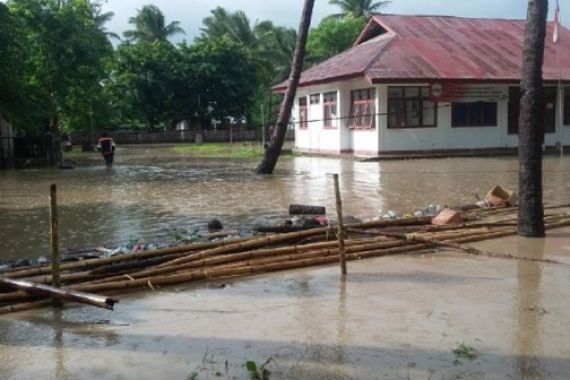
(287, 12)
(190, 13)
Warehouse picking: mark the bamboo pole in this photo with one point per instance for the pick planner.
(231, 245)
(24, 306)
(220, 259)
(360, 251)
(283, 238)
(377, 243)
(59, 294)
(249, 258)
(341, 248)
(239, 271)
(93, 263)
(468, 249)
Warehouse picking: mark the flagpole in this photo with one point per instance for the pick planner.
(560, 101)
(556, 40)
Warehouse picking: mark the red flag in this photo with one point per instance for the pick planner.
(556, 35)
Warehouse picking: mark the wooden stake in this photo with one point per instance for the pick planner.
(54, 236)
(60, 294)
(341, 248)
(54, 233)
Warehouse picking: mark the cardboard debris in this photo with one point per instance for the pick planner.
(447, 216)
(499, 197)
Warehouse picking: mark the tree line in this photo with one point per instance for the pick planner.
(62, 70)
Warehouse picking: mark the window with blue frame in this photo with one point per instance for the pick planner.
(474, 114)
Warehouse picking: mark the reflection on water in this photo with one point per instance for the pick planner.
(528, 337)
(151, 191)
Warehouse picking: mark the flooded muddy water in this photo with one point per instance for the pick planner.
(395, 317)
(152, 191)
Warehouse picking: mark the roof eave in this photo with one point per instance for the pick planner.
(281, 89)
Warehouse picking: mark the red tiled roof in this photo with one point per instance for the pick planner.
(439, 48)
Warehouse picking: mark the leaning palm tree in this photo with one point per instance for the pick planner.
(150, 26)
(267, 165)
(357, 8)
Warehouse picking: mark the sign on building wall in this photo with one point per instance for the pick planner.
(448, 92)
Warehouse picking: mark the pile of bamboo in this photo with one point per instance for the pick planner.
(21, 289)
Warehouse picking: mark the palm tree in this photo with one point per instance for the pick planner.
(235, 26)
(278, 47)
(357, 8)
(271, 46)
(150, 26)
(101, 19)
(267, 165)
(531, 135)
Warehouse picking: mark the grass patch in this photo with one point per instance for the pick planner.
(221, 150)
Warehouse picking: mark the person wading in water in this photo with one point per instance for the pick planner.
(106, 146)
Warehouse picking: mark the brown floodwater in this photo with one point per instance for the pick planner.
(152, 191)
(395, 317)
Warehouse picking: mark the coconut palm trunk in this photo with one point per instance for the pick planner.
(531, 132)
(267, 165)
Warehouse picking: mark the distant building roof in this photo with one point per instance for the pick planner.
(419, 48)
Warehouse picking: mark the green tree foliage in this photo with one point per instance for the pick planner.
(333, 36)
(157, 84)
(59, 69)
(271, 46)
(357, 8)
(64, 61)
(150, 26)
(235, 26)
(277, 48)
(143, 81)
(223, 75)
(11, 51)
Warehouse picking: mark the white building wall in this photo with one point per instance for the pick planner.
(363, 142)
(316, 138)
(444, 136)
(384, 140)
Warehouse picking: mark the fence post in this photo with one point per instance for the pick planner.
(54, 233)
(341, 247)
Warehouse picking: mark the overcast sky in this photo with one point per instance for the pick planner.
(190, 13)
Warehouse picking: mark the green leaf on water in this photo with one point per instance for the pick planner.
(465, 351)
(251, 366)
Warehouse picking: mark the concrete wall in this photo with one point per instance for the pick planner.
(384, 140)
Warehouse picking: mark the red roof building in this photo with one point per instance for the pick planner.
(428, 84)
(442, 48)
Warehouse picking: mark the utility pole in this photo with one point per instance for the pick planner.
(531, 135)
